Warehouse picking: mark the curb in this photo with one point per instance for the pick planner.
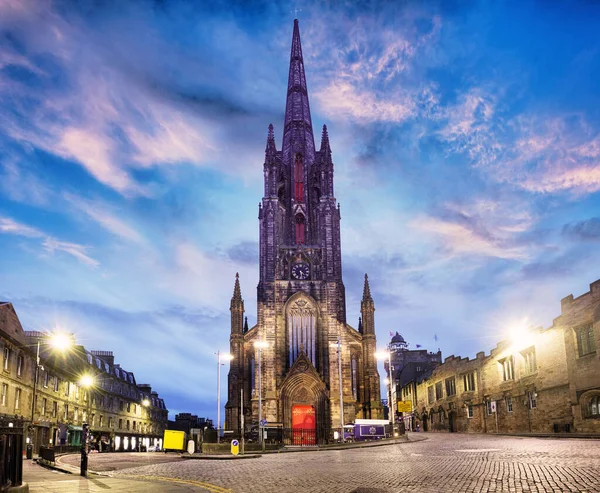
(54, 467)
(220, 457)
(348, 446)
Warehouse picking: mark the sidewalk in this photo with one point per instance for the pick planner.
(42, 480)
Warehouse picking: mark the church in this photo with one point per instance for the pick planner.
(302, 363)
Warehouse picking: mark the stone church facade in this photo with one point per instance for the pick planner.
(301, 319)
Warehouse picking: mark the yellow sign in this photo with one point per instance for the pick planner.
(404, 406)
(235, 447)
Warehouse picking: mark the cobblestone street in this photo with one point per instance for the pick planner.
(443, 462)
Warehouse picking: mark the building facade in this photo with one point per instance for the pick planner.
(301, 309)
(121, 413)
(545, 381)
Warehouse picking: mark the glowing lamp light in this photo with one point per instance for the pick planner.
(226, 356)
(60, 341)
(521, 334)
(86, 381)
(382, 354)
(145, 403)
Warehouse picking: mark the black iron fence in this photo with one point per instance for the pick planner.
(47, 453)
(11, 452)
(299, 437)
(66, 449)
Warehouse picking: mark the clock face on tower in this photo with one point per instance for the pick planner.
(300, 271)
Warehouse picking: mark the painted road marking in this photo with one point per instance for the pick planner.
(213, 488)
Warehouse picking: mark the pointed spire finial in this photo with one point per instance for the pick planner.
(360, 329)
(367, 290)
(325, 141)
(237, 292)
(245, 325)
(298, 133)
(271, 149)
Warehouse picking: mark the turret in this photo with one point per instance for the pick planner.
(236, 307)
(371, 400)
(270, 167)
(235, 377)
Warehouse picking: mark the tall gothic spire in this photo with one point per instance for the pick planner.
(367, 290)
(237, 292)
(297, 130)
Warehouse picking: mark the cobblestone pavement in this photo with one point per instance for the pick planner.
(112, 462)
(443, 462)
(41, 480)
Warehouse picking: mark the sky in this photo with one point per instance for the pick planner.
(465, 137)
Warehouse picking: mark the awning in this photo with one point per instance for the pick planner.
(75, 428)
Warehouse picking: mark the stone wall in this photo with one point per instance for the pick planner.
(542, 382)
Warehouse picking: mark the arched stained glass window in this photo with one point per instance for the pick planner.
(298, 179)
(302, 328)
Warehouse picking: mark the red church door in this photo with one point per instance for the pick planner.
(304, 425)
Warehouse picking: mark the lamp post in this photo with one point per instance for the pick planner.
(145, 404)
(338, 346)
(260, 345)
(227, 357)
(86, 381)
(58, 341)
(388, 355)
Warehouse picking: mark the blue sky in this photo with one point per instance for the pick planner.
(465, 137)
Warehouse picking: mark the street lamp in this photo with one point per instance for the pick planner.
(338, 346)
(86, 381)
(383, 355)
(260, 345)
(55, 340)
(226, 357)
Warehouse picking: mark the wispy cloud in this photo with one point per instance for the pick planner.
(49, 244)
(78, 251)
(479, 228)
(108, 219)
(368, 76)
(535, 153)
(10, 226)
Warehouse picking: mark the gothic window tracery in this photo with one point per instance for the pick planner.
(354, 373)
(302, 328)
(298, 179)
(299, 229)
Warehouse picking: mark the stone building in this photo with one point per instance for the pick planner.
(188, 421)
(407, 364)
(121, 413)
(544, 381)
(301, 295)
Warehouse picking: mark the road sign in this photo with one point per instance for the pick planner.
(404, 406)
(235, 447)
(263, 422)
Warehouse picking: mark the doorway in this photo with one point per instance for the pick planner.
(452, 422)
(304, 425)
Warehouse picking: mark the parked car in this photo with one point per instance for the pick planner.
(154, 448)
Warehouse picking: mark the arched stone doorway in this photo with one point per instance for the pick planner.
(302, 403)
